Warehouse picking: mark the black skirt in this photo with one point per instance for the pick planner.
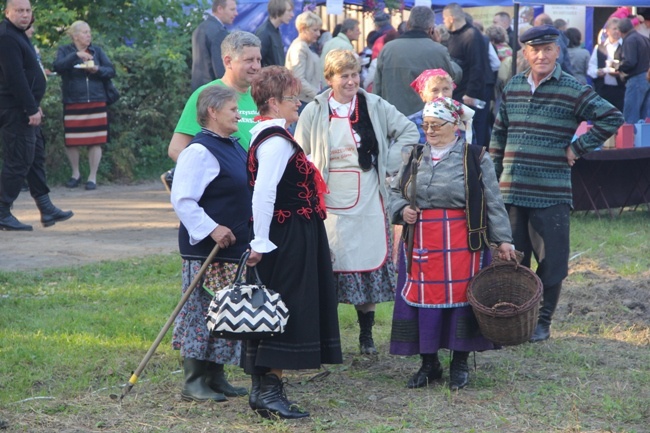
(300, 269)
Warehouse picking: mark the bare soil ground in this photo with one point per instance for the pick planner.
(112, 222)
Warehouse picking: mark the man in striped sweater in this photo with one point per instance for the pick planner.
(533, 155)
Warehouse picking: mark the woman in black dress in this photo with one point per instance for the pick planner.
(289, 247)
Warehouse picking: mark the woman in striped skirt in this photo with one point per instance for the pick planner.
(84, 68)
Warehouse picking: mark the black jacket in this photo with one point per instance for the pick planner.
(22, 82)
(272, 45)
(467, 48)
(78, 85)
(635, 57)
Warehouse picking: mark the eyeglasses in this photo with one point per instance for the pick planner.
(292, 98)
(427, 126)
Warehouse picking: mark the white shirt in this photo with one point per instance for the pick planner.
(592, 70)
(272, 156)
(532, 83)
(195, 169)
(495, 63)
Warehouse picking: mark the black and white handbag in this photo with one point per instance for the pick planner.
(242, 311)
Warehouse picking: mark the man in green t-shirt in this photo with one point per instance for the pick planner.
(241, 54)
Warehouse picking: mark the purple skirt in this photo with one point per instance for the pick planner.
(426, 330)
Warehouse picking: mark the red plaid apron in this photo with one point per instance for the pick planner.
(442, 263)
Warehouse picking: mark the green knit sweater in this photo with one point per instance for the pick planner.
(533, 130)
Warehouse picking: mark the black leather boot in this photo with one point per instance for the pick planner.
(256, 383)
(366, 343)
(196, 388)
(272, 401)
(50, 214)
(215, 377)
(9, 222)
(430, 371)
(459, 371)
(550, 299)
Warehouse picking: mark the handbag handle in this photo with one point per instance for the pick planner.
(240, 269)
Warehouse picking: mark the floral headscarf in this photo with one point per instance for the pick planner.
(451, 111)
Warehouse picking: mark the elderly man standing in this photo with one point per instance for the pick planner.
(206, 43)
(403, 59)
(22, 86)
(635, 62)
(533, 154)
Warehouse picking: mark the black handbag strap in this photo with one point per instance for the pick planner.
(241, 267)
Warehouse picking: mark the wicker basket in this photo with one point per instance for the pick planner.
(505, 299)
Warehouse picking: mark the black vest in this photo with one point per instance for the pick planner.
(297, 193)
(227, 200)
(601, 55)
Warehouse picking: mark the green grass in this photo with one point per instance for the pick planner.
(75, 335)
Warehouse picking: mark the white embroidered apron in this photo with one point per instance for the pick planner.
(356, 222)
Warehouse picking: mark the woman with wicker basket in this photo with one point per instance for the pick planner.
(448, 193)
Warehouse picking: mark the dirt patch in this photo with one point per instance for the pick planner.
(112, 222)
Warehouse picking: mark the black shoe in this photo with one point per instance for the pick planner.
(459, 371)
(90, 186)
(366, 343)
(51, 214)
(216, 379)
(72, 182)
(195, 387)
(430, 371)
(256, 381)
(542, 332)
(11, 223)
(272, 401)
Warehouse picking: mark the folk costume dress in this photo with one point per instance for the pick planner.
(357, 224)
(431, 308)
(356, 146)
(210, 188)
(288, 214)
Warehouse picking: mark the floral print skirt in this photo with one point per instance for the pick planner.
(191, 335)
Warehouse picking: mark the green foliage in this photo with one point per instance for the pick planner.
(153, 76)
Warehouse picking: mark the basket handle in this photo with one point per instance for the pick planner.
(501, 306)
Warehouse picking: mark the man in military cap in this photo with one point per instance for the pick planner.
(533, 154)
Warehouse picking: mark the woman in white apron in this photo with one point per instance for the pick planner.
(354, 138)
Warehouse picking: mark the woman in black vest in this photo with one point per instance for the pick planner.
(458, 209)
(211, 197)
(290, 247)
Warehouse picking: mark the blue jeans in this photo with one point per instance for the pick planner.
(637, 99)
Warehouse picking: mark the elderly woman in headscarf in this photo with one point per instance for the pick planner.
(458, 211)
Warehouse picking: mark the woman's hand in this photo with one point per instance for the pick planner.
(254, 258)
(85, 56)
(223, 236)
(506, 251)
(410, 216)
